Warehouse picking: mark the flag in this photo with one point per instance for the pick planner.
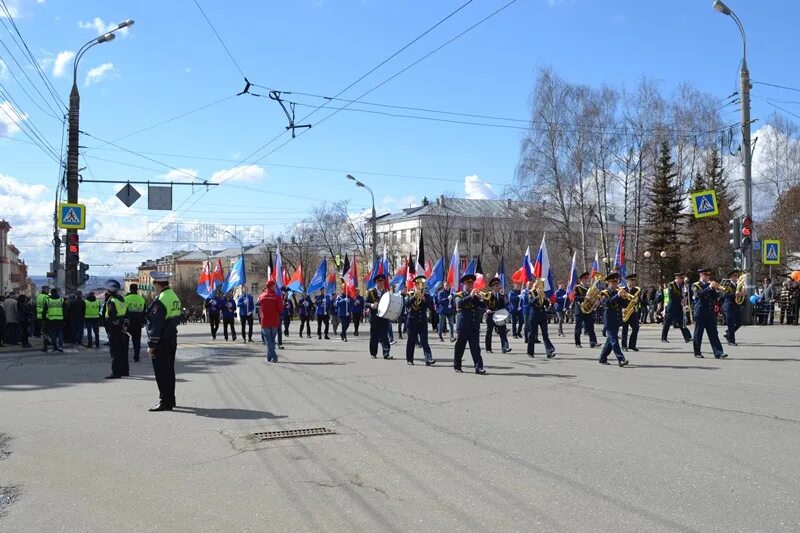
(595, 266)
(452, 271)
(480, 280)
(541, 269)
(573, 278)
(436, 276)
(428, 268)
(295, 283)
(218, 277)
(411, 273)
(420, 266)
(236, 276)
(400, 275)
(619, 257)
(350, 276)
(384, 268)
(501, 273)
(369, 278)
(525, 272)
(204, 282)
(381, 266)
(270, 270)
(330, 286)
(318, 281)
(280, 282)
(286, 278)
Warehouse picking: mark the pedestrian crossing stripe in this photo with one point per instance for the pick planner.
(771, 252)
(704, 204)
(71, 216)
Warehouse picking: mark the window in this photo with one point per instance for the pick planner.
(395, 237)
(519, 238)
(496, 249)
(476, 236)
(414, 235)
(404, 236)
(462, 235)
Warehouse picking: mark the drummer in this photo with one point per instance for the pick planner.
(419, 303)
(378, 326)
(497, 305)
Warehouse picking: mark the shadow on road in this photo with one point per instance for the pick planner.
(317, 363)
(532, 375)
(677, 367)
(228, 413)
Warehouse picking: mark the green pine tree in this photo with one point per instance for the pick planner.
(664, 213)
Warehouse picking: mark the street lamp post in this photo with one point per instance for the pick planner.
(374, 217)
(71, 263)
(747, 179)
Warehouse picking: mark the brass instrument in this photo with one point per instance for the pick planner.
(592, 298)
(419, 294)
(538, 286)
(627, 313)
(741, 287)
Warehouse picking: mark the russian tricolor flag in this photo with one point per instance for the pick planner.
(595, 266)
(619, 257)
(573, 277)
(453, 276)
(541, 269)
(525, 272)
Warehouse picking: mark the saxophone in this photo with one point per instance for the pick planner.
(627, 313)
(741, 286)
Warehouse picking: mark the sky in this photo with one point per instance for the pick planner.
(170, 62)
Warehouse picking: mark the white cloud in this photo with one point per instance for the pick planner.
(40, 1)
(62, 59)
(187, 175)
(476, 189)
(97, 74)
(13, 9)
(9, 118)
(391, 204)
(101, 27)
(242, 173)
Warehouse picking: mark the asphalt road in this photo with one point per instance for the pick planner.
(669, 443)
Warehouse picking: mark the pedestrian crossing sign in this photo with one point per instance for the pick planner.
(771, 252)
(704, 204)
(71, 216)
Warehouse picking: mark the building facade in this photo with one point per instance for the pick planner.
(13, 270)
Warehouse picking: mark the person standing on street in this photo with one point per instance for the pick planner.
(288, 311)
(25, 318)
(629, 343)
(2, 321)
(40, 299)
(419, 303)
(496, 301)
(562, 302)
(379, 328)
(213, 309)
(321, 312)
(706, 293)
(731, 307)
(229, 316)
(163, 317)
(673, 308)
(444, 309)
(91, 317)
(77, 310)
(583, 322)
(358, 311)
(470, 306)
(246, 310)
(344, 309)
(135, 308)
(53, 312)
(306, 310)
(12, 322)
(615, 301)
(271, 306)
(117, 337)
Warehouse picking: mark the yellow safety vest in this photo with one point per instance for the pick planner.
(41, 298)
(55, 308)
(134, 303)
(92, 309)
(119, 304)
(171, 303)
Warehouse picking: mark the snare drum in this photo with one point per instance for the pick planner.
(390, 306)
(500, 317)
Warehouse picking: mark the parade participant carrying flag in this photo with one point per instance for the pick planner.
(204, 282)
(595, 273)
(525, 272)
(452, 271)
(280, 282)
(218, 276)
(541, 269)
(295, 283)
(619, 258)
(236, 276)
(573, 278)
(435, 276)
(318, 281)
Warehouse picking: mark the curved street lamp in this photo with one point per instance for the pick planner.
(374, 215)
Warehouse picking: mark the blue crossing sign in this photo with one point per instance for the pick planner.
(704, 204)
(771, 252)
(71, 216)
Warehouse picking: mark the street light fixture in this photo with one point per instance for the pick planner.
(747, 154)
(71, 263)
(374, 215)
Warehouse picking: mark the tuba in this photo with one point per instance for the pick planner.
(592, 299)
(741, 286)
(627, 313)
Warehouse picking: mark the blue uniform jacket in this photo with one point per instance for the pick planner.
(214, 305)
(358, 305)
(674, 306)
(561, 299)
(470, 312)
(614, 304)
(444, 304)
(320, 305)
(288, 308)
(525, 301)
(246, 305)
(514, 301)
(538, 311)
(729, 300)
(704, 299)
(417, 315)
(305, 306)
(344, 306)
(229, 309)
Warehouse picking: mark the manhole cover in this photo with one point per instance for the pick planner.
(291, 433)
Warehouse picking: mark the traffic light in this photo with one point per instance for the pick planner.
(747, 232)
(83, 277)
(738, 260)
(73, 245)
(736, 233)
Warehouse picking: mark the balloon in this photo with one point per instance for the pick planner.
(754, 299)
(796, 275)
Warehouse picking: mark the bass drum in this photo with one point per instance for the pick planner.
(500, 317)
(390, 306)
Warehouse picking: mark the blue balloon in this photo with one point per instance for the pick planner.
(754, 299)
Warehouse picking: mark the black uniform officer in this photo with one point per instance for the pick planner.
(378, 327)
(731, 308)
(706, 293)
(629, 343)
(539, 303)
(116, 324)
(495, 302)
(163, 317)
(470, 306)
(673, 311)
(614, 304)
(419, 303)
(582, 320)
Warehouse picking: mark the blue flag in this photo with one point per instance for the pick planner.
(372, 274)
(236, 276)
(318, 281)
(204, 291)
(501, 273)
(437, 276)
(470, 267)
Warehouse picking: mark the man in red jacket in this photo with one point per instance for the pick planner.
(271, 306)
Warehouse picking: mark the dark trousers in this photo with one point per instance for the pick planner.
(77, 330)
(585, 323)
(37, 328)
(517, 323)
(379, 334)
(345, 323)
(92, 327)
(135, 332)
(709, 326)
(471, 337)
(286, 321)
(56, 330)
(502, 331)
(119, 351)
(164, 369)
(12, 333)
(418, 332)
(560, 315)
(541, 323)
(304, 320)
(733, 318)
(324, 319)
(24, 333)
(213, 320)
(676, 320)
(612, 343)
(229, 323)
(357, 319)
(633, 325)
(247, 320)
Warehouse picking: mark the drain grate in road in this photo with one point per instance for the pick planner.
(291, 433)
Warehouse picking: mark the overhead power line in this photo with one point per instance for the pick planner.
(233, 59)
(795, 89)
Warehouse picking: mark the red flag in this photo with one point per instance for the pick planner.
(296, 281)
(428, 269)
(480, 281)
(411, 273)
(350, 277)
(205, 275)
(218, 277)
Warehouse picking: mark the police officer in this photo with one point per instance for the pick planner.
(358, 311)
(91, 317)
(470, 306)
(706, 293)
(495, 302)
(378, 327)
(246, 309)
(615, 301)
(419, 303)
(539, 304)
(213, 309)
(135, 304)
(516, 311)
(673, 308)
(633, 321)
(732, 310)
(37, 327)
(321, 312)
(583, 321)
(53, 313)
(163, 317)
(116, 323)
